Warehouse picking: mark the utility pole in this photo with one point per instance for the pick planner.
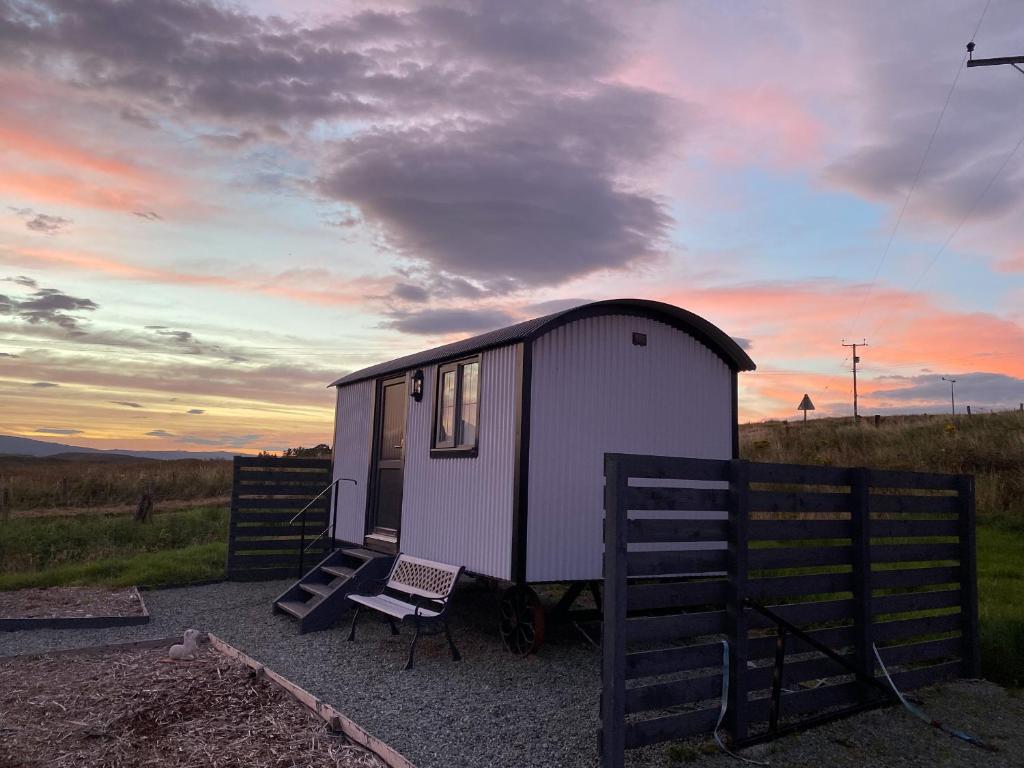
(952, 399)
(1013, 61)
(864, 343)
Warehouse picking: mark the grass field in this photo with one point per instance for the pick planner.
(83, 481)
(113, 550)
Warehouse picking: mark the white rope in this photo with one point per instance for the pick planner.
(725, 705)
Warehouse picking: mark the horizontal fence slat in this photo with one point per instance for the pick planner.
(927, 649)
(794, 586)
(321, 505)
(915, 601)
(660, 467)
(285, 475)
(798, 557)
(650, 530)
(279, 489)
(673, 693)
(803, 702)
(915, 577)
(255, 516)
(798, 501)
(905, 553)
(640, 733)
(895, 528)
(263, 560)
(795, 672)
(901, 629)
(798, 474)
(252, 531)
(885, 504)
(676, 626)
(289, 546)
(930, 481)
(816, 612)
(676, 659)
(834, 637)
(273, 461)
(693, 561)
(786, 530)
(916, 678)
(674, 594)
(676, 499)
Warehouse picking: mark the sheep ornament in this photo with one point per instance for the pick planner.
(186, 650)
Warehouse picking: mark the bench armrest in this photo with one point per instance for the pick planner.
(425, 602)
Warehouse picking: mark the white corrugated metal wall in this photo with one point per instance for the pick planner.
(353, 425)
(459, 510)
(594, 392)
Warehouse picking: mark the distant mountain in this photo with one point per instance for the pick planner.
(25, 446)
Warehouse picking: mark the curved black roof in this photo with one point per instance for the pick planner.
(708, 334)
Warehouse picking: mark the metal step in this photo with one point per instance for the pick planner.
(294, 607)
(320, 590)
(337, 570)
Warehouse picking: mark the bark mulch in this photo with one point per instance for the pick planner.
(69, 602)
(132, 708)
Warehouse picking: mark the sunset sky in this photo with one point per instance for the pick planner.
(208, 212)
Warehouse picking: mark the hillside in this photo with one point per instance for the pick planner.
(989, 446)
(26, 446)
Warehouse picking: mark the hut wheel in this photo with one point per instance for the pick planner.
(521, 620)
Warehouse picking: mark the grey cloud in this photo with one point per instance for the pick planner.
(230, 441)
(136, 116)
(195, 411)
(930, 393)
(500, 149)
(22, 280)
(56, 431)
(44, 384)
(148, 215)
(410, 292)
(126, 403)
(745, 344)
(159, 433)
(550, 307)
(7, 354)
(434, 321)
(49, 306)
(48, 225)
(531, 199)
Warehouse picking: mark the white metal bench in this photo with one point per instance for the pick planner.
(416, 590)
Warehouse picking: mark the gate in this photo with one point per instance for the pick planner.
(267, 535)
(699, 551)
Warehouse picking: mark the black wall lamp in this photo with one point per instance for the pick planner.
(416, 385)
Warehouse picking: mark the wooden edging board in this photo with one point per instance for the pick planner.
(337, 721)
(128, 645)
(77, 622)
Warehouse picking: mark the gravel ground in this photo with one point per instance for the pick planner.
(492, 709)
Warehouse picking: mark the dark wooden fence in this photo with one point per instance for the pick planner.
(264, 542)
(854, 557)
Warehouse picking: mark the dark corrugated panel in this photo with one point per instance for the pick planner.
(707, 333)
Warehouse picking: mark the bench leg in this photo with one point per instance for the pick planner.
(394, 629)
(412, 648)
(456, 656)
(355, 618)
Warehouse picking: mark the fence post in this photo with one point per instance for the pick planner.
(971, 653)
(863, 615)
(613, 631)
(739, 512)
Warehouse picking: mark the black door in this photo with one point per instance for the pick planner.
(386, 509)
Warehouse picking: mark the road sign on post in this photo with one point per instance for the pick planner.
(805, 406)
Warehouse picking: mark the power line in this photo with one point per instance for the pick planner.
(917, 176)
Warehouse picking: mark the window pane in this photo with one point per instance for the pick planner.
(468, 410)
(446, 409)
(467, 425)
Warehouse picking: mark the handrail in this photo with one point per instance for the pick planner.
(302, 513)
